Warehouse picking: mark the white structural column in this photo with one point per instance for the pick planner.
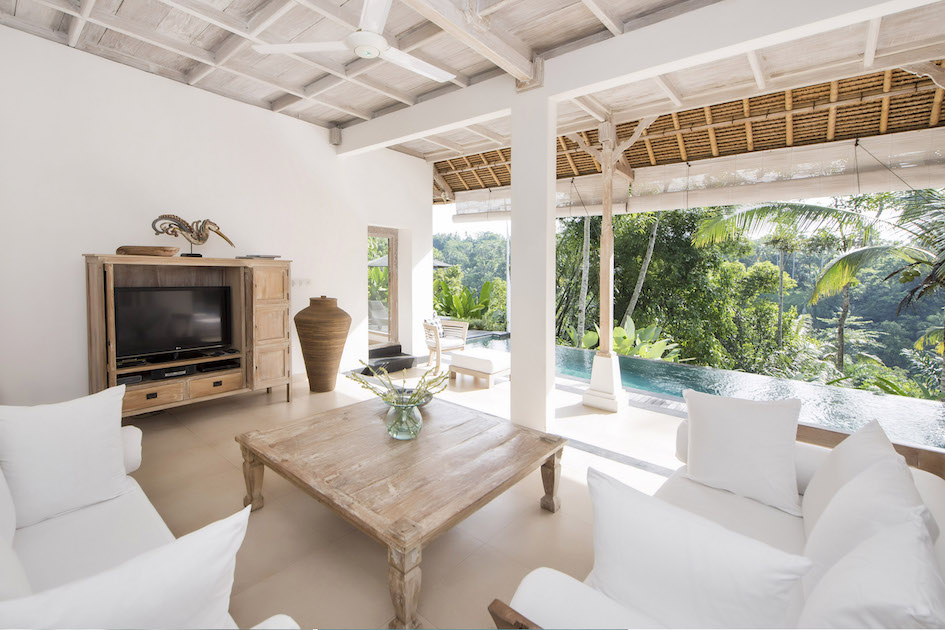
(605, 389)
(533, 258)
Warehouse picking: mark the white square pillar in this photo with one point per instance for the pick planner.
(533, 258)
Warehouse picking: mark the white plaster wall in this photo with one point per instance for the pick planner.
(91, 151)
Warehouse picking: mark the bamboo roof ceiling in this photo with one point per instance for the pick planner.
(866, 105)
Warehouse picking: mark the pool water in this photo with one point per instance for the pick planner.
(909, 420)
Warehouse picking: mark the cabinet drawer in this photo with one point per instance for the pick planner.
(144, 397)
(210, 385)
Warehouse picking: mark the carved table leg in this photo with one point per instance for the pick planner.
(550, 474)
(253, 474)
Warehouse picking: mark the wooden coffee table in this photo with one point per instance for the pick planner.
(402, 494)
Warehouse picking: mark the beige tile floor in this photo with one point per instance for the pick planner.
(301, 559)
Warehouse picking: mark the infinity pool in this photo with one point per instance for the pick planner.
(910, 420)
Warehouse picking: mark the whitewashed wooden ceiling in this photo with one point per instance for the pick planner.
(208, 44)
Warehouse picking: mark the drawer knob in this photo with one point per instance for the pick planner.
(151, 395)
(217, 383)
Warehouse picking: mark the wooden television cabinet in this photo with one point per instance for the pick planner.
(261, 328)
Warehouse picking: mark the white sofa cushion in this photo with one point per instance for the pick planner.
(7, 512)
(745, 446)
(13, 580)
(131, 448)
(685, 570)
(882, 495)
(184, 584)
(481, 360)
(853, 455)
(64, 456)
(889, 581)
(552, 599)
(745, 516)
(90, 540)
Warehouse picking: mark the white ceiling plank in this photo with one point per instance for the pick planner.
(872, 41)
(377, 86)
(418, 36)
(209, 14)
(284, 101)
(339, 15)
(668, 89)
(446, 144)
(606, 14)
(737, 26)
(757, 70)
(77, 23)
(480, 102)
(501, 48)
(488, 134)
(33, 29)
(488, 7)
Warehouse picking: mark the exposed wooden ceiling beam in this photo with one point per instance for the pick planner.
(488, 134)
(788, 119)
(638, 131)
(594, 107)
(936, 114)
(606, 14)
(448, 144)
(679, 138)
(571, 164)
(872, 41)
(501, 48)
(20, 24)
(749, 134)
(669, 90)
(757, 70)
(441, 183)
(77, 23)
(488, 7)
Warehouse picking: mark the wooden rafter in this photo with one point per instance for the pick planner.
(679, 138)
(884, 115)
(587, 142)
(669, 90)
(475, 173)
(606, 14)
(78, 22)
(649, 149)
(713, 142)
(749, 136)
(564, 147)
(832, 113)
(757, 70)
(936, 114)
(872, 41)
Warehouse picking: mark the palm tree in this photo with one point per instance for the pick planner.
(585, 268)
(787, 241)
(918, 221)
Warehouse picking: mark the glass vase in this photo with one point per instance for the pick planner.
(403, 421)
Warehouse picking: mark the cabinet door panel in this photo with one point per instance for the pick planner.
(271, 366)
(270, 284)
(271, 324)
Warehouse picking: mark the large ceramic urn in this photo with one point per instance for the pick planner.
(323, 329)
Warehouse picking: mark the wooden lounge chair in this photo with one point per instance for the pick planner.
(454, 338)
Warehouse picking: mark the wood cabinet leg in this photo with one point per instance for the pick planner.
(268, 390)
(253, 474)
(288, 392)
(550, 476)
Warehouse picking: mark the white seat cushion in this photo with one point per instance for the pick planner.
(89, 540)
(448, 343)
(739, 514)
(552, 599)
(482, 360)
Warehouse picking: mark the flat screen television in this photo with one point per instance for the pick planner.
(161, 320)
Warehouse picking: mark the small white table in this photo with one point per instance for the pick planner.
(480, 363)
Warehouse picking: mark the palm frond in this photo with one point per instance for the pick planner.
(755, 220)
(843, 269)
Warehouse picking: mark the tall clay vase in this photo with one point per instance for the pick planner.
(323, 329)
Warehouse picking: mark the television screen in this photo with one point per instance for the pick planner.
(158, 320)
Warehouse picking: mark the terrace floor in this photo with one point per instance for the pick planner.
(301, 559)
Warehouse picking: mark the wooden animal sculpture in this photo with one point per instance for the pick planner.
(197, 232)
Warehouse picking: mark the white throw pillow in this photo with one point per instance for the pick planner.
(881, 496)
(184, 584)
(889, 581)
(685, 570)
(853, 455)
(745, 446)
(13, 580)
(61, 457)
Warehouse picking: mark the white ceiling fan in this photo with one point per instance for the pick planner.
(367, 42)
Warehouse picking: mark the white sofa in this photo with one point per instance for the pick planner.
(550, 599)
(86, 541)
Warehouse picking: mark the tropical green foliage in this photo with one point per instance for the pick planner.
(462, 304)
(645, 343)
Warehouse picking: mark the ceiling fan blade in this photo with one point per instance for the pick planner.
(374, 15)
(299, 47)
(428, 70)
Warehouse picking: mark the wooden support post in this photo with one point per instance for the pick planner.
(608, 138)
